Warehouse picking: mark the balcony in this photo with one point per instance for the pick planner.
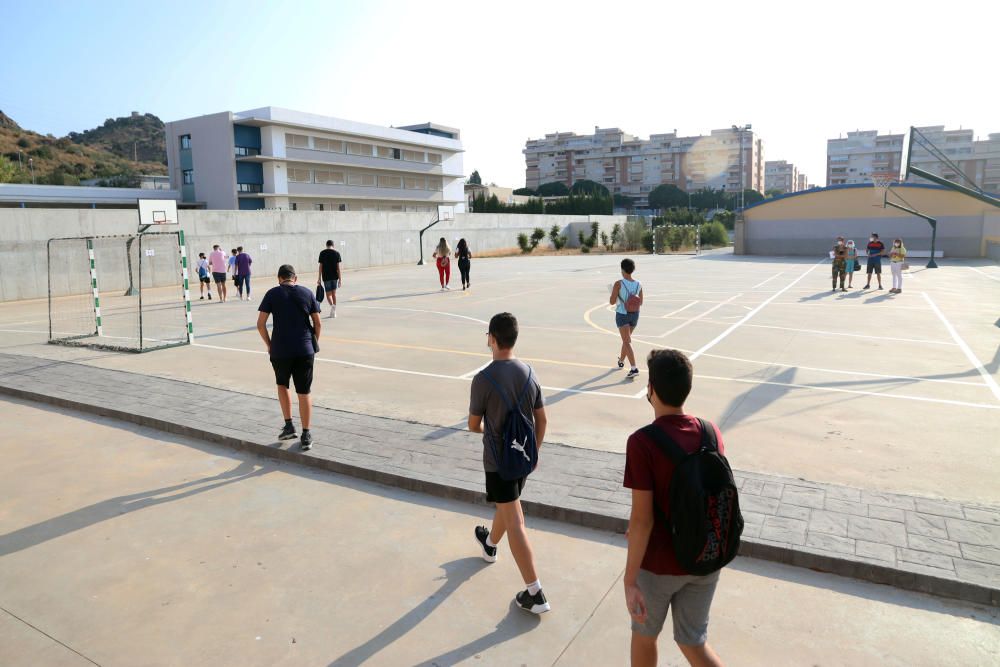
(246, 151)
(346, 160)
(249, 187)
(363, 192)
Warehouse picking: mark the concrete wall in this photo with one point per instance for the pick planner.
(808, 223)
(294, 237)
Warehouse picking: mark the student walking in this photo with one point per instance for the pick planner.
(839, 255)
(464, 264)
(897, 261)
(203, 277)
(852, 263)
(443, 254)
(243, 262)
(875, 250)
(627, 296)
(292, 346)
(329, 275)
(507, 407)
(217, 262)
(673, 563)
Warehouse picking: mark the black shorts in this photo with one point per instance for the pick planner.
(499, 490)
(206, 280)
(219, 277)
(298, 369)
(874, 267)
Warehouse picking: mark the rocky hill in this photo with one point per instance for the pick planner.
(105, 152)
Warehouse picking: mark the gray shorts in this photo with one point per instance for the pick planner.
(330, 285)
(689, 596)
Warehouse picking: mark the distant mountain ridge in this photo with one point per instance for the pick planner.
(105, 152)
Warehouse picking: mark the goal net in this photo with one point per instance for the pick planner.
(126, 293)
(677, 240)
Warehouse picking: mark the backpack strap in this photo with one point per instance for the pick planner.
(709, 442)
(498, 389)
(664, 443)
(524, 391)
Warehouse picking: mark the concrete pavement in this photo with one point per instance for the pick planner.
(120, 545)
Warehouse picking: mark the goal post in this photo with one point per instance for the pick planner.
(127, 293)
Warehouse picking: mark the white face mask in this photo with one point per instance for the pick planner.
(872, 239)
(898, 245)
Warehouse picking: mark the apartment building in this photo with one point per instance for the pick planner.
(282, 159)
(803, 183)
(862, 155)
(978, 161)
(782, 176)
(631, 166)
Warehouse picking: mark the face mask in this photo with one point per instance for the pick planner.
(898, 244)
(872, 239)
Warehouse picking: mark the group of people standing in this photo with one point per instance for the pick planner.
(846, 262)
(443, 255)
(217, 268)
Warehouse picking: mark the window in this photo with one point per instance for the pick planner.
(434, 158)
(299, 175)
(354, 148)
(317, 207)
(330, 177)
(187, 176)
(388, 181)
(433, 183)
(249, 187)
(388, 152)
(342, 207)
(243, 151)
(415, 183)
(185, 142)
(367, 180)
(329, 145)
(413, 156)
(296, 140)
(294, 206)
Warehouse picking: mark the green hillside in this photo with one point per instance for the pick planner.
(104, 152)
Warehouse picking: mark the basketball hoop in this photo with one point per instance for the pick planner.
(881, 184)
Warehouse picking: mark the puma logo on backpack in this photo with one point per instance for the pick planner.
(705, 522)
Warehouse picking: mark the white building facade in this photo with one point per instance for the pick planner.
(862, 156)
(783, 176)
(273, 158)
(977, 162)
(628, 165)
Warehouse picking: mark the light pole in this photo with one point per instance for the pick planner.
(31, 166)
(740, 130)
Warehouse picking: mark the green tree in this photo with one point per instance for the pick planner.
(554, 189)
(587, 187)
(536, 236)
(525, 191)
(714, 234)
(773, 192)
(524, 243)
(475, 179)
(616, 234)
(624, 201)
(667, 196)
(9, 173)
(558, 241)
(606, 241)
(751, 197)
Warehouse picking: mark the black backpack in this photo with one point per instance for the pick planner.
(705, 521)
(517, 455)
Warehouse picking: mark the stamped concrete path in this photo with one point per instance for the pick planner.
(916, 543)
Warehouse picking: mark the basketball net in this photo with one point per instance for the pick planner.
(882, 183)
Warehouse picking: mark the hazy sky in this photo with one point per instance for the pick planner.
(504, 72)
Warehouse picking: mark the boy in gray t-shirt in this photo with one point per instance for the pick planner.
(512, 377)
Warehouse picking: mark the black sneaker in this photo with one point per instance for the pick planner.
(621, 363)
(632, 373)
(867, 287)
(306, 441)
(287, 433)
(209, 296)
(536, 604)
(489, 553)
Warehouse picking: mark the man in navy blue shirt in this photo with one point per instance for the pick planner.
(292, 344)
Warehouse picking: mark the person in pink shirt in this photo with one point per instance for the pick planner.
(217, 260)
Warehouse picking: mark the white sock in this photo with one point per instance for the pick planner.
(489, 543)
(534, 587)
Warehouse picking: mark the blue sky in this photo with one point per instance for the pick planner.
(506, 72)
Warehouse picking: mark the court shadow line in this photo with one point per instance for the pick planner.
(582, 387)
(85, 517)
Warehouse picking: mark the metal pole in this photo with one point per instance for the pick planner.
(932, 264)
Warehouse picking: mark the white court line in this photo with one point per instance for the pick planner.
(853, 391)
(469, 375)
(768, 280)
(418, 310)
(990, 382)
(852, 335)
(983, 273)
(844, 372)
(696, 318)
(715, 341)
(679, 310)
(460, 378)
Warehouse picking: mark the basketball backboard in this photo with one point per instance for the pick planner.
(157, 212)
(446, 212)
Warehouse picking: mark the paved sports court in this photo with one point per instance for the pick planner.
(868, 389)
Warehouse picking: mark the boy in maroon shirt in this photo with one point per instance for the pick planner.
(654, 581)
